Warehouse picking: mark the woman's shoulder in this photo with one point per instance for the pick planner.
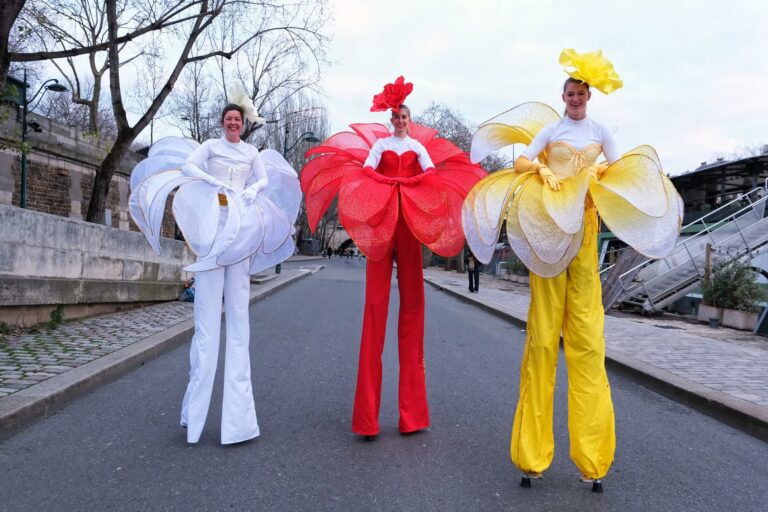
(597, 125)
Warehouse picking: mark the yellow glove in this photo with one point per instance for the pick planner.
(522, 164)
(596, 171)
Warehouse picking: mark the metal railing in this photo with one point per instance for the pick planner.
(656, 283)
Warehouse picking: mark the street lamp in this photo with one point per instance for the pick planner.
(49, 85)
(304, 137)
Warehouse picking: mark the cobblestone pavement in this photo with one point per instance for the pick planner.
(27, 359)
(725, 360)
(33, 357)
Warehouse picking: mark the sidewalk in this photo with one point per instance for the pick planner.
(722, 372)
(42, 371)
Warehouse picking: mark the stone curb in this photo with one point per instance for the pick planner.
(735, 412)
(24, 407)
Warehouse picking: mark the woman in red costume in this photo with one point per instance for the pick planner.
(396, 192)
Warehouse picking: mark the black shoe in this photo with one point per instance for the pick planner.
(597, 484)
(369, 438)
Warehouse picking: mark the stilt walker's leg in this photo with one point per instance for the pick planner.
(532, 446)
(365, 416)
(414, 411)
(590, 409)
(238, 412)
(204, 351)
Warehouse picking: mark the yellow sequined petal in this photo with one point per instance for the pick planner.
(525, 252)
(646, 151)
(493, 193)
(653, 237)
(518, 125)
(637, 179)
(566, 206)
(484, 209)
(546, 239)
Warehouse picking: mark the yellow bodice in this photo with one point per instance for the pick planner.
(564, 160)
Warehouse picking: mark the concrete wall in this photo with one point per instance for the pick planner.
(62, 163)
(50, 260)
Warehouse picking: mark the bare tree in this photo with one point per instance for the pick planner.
(151, 17)
(297, 21)
(748, 150)
(451, 125)
(61, 108)
(9, 12)
(194, 105)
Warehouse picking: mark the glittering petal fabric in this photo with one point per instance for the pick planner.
(370, 201)
(218, 236)
(517, 125)
(545, 227)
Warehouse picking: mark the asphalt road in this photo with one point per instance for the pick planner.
(120, 447)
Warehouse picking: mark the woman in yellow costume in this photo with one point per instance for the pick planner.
(550, 201)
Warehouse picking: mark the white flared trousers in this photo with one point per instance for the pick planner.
(238, 414)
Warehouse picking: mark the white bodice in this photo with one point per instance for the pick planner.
(234, 176)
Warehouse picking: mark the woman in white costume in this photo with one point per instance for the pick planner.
(236, 208)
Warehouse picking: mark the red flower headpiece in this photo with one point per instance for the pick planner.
(392, 96)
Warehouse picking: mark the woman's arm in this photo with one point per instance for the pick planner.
(424, 159)
(538, 143)
(259, 172)
(193, 166)
(610, 150)
(374, 157)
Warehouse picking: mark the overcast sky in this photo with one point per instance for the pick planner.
(695, 72)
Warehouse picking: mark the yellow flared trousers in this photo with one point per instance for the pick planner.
(570, 302)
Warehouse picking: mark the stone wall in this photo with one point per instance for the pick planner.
(46, 260)
(62, 164)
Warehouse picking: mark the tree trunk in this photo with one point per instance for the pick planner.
(103, 178)
(9, 11)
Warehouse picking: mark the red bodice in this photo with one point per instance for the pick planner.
(371, 201)
(393, 165)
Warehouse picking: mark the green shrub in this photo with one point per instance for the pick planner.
(515, 267)
(732, 285)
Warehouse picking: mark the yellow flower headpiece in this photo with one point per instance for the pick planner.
(592, 68)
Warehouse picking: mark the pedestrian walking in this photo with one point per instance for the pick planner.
(473, 271)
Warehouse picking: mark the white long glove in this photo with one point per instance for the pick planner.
(191, 169)
(249, 194)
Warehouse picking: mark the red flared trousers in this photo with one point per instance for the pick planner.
(414, 411)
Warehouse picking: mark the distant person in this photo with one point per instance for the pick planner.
(473, 271)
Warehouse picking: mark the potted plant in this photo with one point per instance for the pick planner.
(517, 270)
(733, 288)
(709, 309)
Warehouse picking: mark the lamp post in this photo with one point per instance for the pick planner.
(49, 85)
(304, 137)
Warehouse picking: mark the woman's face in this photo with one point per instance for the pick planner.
(232, 124)
(400, 121)
(575, 97)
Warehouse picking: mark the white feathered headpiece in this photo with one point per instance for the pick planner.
(238, 96)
